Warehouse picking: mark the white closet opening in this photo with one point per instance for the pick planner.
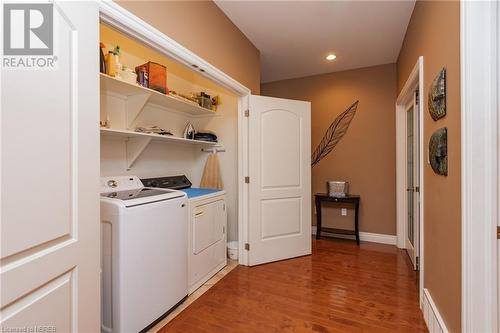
(125, 106)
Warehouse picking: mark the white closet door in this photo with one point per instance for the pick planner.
(49, 183)
(280, 179)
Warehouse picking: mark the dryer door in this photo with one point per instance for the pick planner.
(208, 226)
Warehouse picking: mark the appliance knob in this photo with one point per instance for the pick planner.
(112, 183)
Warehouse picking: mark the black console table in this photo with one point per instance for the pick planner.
(350, 199)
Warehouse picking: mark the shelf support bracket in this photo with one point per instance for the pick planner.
(134, 149)
(134, 106)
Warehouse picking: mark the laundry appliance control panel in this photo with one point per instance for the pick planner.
(172, 182)
(120, 183)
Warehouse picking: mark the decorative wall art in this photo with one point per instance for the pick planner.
(437, 96)
(334, 134)
(438, 151)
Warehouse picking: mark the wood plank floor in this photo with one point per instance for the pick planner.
(340, 288)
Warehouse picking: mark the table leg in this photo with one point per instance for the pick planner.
(318, 218)
(356, 222)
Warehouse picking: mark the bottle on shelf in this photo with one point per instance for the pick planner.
(102, 58)
(110, 64)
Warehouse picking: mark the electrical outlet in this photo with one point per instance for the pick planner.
(343, 211)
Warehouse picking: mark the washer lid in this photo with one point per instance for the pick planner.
(142, 196)
(133, 194)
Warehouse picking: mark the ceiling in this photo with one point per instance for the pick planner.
(295, 36)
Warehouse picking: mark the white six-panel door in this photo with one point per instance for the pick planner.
(280, 179)
(49, 183)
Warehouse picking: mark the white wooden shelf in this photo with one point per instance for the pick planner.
(138, 97)
(136, 142)
(154, 137)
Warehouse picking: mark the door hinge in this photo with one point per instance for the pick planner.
(498, 232)
(247, 113)
(417, 189)
(247, 246)
(247, 180)
(417, 263)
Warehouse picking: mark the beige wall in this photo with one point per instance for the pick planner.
(434, 32)
(204, 29)
(366, 155)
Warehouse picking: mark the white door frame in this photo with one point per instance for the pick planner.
(414, 81)
(116, 16)
(479, 24)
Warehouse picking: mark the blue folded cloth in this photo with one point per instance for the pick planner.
(193, 192)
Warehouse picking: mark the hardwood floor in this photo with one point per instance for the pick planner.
(340, 288)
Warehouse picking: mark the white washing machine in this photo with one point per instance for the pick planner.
(207, 228)
(144, 262)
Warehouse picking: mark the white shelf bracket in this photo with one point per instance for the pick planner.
(134, 149)
(134, 106)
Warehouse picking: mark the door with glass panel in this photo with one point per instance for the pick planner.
(412, 181)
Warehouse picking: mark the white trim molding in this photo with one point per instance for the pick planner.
(415, 81)
(479, 108)
(363, 236)
(432, 317)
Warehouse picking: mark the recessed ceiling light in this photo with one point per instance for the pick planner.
(331, 57)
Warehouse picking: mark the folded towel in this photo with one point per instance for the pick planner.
(205, 137)
(153, 130)
(211, 175)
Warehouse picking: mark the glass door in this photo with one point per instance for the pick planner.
(412, 185)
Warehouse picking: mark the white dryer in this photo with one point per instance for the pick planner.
(207, 228)
(144, 262)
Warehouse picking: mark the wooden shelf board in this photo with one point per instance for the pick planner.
(338, 231)
(154, 137)
(120, 87)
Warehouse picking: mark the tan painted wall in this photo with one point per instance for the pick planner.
(366, 155)
(204, 29)
(434, 32)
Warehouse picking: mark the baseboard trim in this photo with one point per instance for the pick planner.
(433, 319)
(364, 236)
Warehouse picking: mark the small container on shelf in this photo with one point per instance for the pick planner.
(102, 58)
(204, 100)
(110, 64)
(153, 76)
(128, 75)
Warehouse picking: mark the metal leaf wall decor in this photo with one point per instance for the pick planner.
(437, 96)
(438, 151)
(334, 134)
